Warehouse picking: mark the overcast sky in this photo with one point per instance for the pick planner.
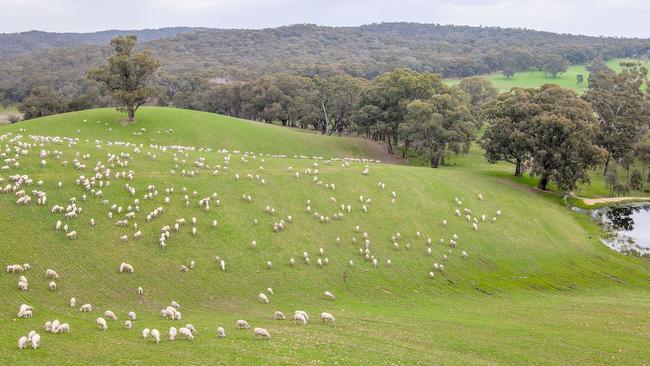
(629, 18)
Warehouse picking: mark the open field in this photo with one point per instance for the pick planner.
(535, 79)
(537, 286)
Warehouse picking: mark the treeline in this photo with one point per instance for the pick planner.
(226, 56)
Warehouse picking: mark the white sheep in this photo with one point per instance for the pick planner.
(221, 333)
(110, 315)
(186, 333)
(125, 267)
(242, 324)
(51, 274)
(128, 324)
(329, 295)
(299, 318)
(52, 286)
(269, 291)
(155, 335)
(101, 323)
(172, 333)
(22, 342)
(63, 328)
(23, 286)
(86, 308)
(36, 341)
(278, 315)
(191, 328)
(263, 298)
(131, 315)
(327, 317)
(73, 302)
(145, 333)
(261, 333)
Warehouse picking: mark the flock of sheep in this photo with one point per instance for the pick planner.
(107, 173)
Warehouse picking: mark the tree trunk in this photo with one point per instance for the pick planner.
(518, 169)
(543, 183)
(130, 114)
(609, 155)
(435, 162)
(390, 145)
(406, 149)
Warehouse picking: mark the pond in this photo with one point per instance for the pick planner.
(630, 227)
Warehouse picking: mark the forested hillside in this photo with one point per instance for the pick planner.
(365, 51)
(23, 42)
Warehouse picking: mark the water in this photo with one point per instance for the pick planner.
(631, 225)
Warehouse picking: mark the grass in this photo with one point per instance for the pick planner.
(535, 79)
(538, 287)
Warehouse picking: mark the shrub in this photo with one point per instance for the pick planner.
(636, 179)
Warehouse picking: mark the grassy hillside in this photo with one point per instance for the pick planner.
(535, 79)
(537, 285)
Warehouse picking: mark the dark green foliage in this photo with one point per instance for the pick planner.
(622, 109)
(127, 76)
(636, 179)
(550, 130)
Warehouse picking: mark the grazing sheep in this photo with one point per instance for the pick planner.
(464, 254)
(63, 328)
(299, 318)
(23, 286)
(175, 304)
(140, 291)
(155, 335)
(261, 333)
(101, 323)
(242, 324)
(221, 333)
(186, 333)
(125, 267)
(131, 315)
(184, 268)
(71, 235)
(278, 315)
(329, 295)
(22, 342)
(51, 274)
(110, 315)
(52, 286)
(191, 328)
(128, 325)
(327, 317)
(73, 302)
(263, 298)
(172, 334)
(145, 333)
(55, 325)
(86, 308)
(269, 291)
(48, 326)
(36, 341)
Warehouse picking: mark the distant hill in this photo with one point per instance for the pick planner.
(14, 43)
(61, 60)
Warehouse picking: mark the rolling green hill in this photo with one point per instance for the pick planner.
(536, 287)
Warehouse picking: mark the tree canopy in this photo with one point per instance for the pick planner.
(127, 75)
